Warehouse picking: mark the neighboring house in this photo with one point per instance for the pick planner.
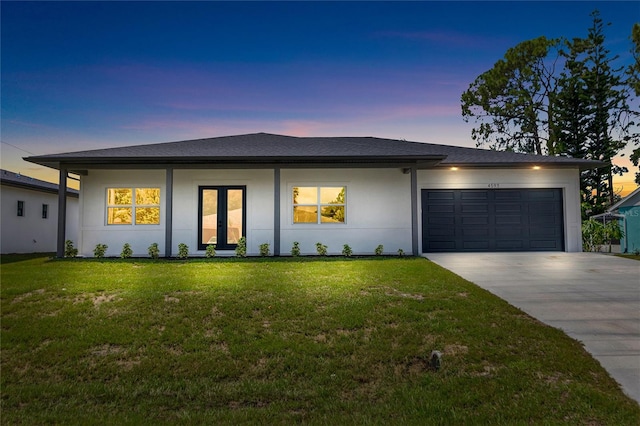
(361, 191)
(30, 214)
(627, 211)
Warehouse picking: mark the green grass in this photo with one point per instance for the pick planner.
(629, 256)
(259, 341)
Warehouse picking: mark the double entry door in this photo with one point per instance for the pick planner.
(221, 216)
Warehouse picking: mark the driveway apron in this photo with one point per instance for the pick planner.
(594, 298)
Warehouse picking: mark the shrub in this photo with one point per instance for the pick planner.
(210, 251)
(346, 250)
(264, 249)
(100, 250)
(69, 250)
(595, 234)
(400, 252)
(321, 249)
(241, 249)
(126, 252)
(295, 250)
(379, 250)
(183, 251)
(154, 251)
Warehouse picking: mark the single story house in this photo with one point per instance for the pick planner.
(361, 191)
(627, 211)
(30, 214)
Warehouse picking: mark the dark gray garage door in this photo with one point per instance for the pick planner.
(492, 220)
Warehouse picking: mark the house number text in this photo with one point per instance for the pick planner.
(493, 185)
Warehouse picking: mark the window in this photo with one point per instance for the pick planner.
(45, 211)
(20, 208)
(314, 204)
(128, 205)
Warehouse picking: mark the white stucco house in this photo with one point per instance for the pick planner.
(361, 191)
(29, 219)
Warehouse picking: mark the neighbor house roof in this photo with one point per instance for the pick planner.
(630, 200)
(265, 148)
(26, 182)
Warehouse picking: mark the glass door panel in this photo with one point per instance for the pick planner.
(209, 216)
(234, 215)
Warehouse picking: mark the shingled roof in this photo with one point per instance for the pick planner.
(26, 182)
(264, 148)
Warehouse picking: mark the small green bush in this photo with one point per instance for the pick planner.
(100, 250)
(69, 250)
(295, 249)
(346, 250)
(321, 249)
(400, 252)
(126, 252)
(154, 251)
(183, 251)
(241, 249)
(379, 250)
(210, 251)
(264, 249)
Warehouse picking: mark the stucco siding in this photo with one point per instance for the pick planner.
(93, 212)
(259, 205)
(565, 178)
(31, 233)
(378, 211)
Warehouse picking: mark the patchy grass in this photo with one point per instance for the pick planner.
(629, 256)
(278, 342)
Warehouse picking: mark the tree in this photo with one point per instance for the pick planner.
(594, 112)
(634, 84)
(514, 100)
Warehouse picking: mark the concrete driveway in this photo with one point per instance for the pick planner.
(594, 298)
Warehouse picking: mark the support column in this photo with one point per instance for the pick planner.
(168, 213)
(276, 211)
(62, 211)
(414, 211)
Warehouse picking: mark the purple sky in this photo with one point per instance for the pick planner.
(85, 75)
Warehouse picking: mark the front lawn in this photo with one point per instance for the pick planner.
(259, 341)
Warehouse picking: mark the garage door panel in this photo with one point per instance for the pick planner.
(441, 220)
(508, 208)
(509, 245)
(475, 220)
(474, 195)
(441, 208)
(508, 220)
(492, 220)
(475, 232)
(475, 208)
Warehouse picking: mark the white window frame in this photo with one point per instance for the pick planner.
(133, 206)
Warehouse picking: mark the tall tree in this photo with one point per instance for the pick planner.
(608, 126)
(634, 84)
(512, 102)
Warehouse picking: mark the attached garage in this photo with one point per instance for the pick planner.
(476, 220)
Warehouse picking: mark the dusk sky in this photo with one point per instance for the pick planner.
(88, 75)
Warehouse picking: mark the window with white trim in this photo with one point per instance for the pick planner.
(128, 206)
(319, 204)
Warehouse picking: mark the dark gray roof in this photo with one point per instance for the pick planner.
(264, 148)
(21, 181)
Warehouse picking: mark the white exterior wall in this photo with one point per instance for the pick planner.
(93, 212)
(31, 233)
(567, 179)
(378, 211)
(259, 205)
